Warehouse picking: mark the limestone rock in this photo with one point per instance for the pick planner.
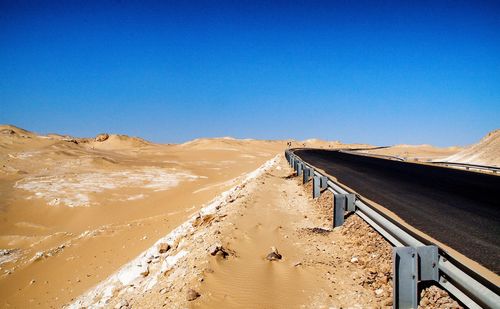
(38, 256)
(218, 250)
(101, 137)
(145, 270)
(192, 295)
(274, 255)
(163, 247)
(122, 304)
(7, 132)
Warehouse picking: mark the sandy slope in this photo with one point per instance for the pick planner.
(415, 152)
(74, 210)
(217, 259)
(268, 209)
(485, 152)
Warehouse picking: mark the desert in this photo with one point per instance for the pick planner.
(75, 209)
(66, 200)
(114, 219)
(249, 154)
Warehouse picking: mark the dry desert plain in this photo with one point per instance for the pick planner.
(117, 221)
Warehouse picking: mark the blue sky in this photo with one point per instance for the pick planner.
(375, 72)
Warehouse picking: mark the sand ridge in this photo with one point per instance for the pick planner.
(220, 261)
(485, 152)
(417, 153)
(270, 210)
(75, 209)
(142, 273)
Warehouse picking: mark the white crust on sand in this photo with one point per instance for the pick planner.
(141, 273)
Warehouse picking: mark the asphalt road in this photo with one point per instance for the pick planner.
(459, 208)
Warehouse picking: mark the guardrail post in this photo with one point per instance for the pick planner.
(350, 202)
(338, 209)
(341, 203)
(300, 167)
(405, 270)
(323, 182)
(316, 187)
(428, 263)
(307, 174)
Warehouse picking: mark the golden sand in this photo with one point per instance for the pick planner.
(74, 211)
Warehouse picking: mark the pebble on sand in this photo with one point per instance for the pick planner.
(274, 255)
(218, 250)
(163, 247)
(122, 304)
(192, 295)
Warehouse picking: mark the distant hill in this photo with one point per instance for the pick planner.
(486, 152)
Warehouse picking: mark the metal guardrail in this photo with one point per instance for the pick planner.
(357, 152)
(468, 166)
(413, 261)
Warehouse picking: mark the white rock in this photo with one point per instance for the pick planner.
(122, 304)
(38, 256)
(170, 261)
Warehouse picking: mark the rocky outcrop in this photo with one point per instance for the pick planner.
(102, 137)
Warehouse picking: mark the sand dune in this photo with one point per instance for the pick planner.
(86, 206)
(116, 141)
(220, 257)
(422, 152)
(15, 131)
(75, 209)
(486, 152)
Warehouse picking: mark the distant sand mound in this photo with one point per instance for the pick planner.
(59, 137)
(220, 143)
(486, 152)
(116, 141)
(317, 143)
(10, 130)
(413, 146)
(229, 143)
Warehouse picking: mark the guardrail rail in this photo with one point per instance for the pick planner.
(414, 262)
(468, 166)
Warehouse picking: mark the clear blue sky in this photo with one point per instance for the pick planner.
(376, 72)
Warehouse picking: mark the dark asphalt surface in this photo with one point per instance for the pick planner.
(459, 208)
